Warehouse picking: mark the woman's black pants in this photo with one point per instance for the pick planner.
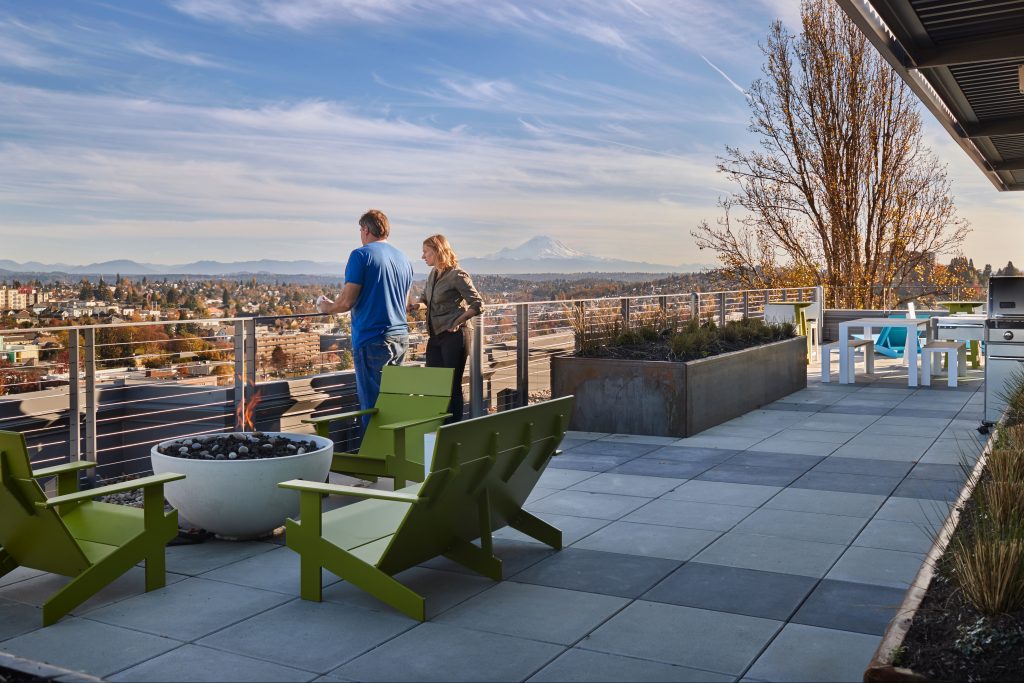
(448, 350)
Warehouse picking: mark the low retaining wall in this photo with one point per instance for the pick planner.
(663, 398)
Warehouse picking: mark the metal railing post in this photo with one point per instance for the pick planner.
(746, 304)
(695, 305)
(581, 319)
(74, 398)
(476, 374)
(785, 295)
(90, 394)
(523, 353)
(240, 375)
(624, 308)
(721, 309)
(250, 351)
(663, 303)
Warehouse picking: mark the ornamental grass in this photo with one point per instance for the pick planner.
(988, 557)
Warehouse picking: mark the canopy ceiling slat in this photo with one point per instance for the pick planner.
(961, 58)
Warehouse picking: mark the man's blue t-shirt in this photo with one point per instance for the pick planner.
(385, 275)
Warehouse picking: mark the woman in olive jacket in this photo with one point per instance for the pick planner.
(450, 300)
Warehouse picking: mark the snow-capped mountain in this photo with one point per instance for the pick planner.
(543, 254)
(539, 247)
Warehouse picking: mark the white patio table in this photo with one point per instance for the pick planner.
(868, 324)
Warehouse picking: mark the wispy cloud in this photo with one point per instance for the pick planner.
(631, 27)
(302, 167)
(480, 90)
(23, 47)
(151, 49)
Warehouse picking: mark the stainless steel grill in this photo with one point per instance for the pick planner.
(1004, 342)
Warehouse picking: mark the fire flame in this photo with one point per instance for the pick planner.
(246, 411)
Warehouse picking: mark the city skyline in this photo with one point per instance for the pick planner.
(192, 129)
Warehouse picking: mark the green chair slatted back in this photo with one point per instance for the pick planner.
(33, 537)
(530, 438)
(73, 535)
(453, 492)
(482, 471)
(408, 393)
(505, 452)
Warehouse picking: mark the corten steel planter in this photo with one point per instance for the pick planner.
(240, 499)
(664, 398)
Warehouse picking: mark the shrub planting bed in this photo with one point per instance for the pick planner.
(688, 341)
(677, 380)
(969, 626)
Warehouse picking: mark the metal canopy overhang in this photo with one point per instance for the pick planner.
(961, 58)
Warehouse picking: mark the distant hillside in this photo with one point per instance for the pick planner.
(537, 255)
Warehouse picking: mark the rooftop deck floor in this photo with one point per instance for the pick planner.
(774, 547)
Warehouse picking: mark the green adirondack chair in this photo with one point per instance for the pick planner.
(73, 535)
(528, 438)
(412, 402)
(478, 480)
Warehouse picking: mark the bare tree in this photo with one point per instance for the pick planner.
(841, 191)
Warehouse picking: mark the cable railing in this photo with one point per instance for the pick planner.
(107, 393)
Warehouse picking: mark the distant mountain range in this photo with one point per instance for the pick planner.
(539, 254)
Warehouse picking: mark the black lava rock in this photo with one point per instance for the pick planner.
(237, 446)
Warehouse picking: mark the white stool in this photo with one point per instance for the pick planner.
(866, 346)
(947, 348)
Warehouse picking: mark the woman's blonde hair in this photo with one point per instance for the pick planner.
(446, 257)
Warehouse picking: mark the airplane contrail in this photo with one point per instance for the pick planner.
(726, 77)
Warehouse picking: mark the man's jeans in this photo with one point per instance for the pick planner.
(370, 360)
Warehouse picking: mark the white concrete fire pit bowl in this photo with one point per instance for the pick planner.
(239, 498)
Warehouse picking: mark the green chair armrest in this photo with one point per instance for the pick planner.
(131, 485)
(61, 469)
(395, 426)
(340, 490)
(339, 416)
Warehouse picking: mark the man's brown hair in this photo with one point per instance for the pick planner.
(377, 223)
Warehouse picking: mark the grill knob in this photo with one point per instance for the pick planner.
(1008, 335)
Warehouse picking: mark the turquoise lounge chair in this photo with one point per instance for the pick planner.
(892, 341)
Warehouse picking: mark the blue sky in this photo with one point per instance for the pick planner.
(174, 130)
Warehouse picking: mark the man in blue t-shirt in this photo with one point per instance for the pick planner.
(377, 281)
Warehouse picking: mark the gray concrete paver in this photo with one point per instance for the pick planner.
(828, 544)
(587, 504)
(772, 553)
(587, 666)
(808, 526)
(877, 566)
(809, 653)
(552, 615)
(649, 540)
(702, 639)
(88, 646)
(312, 636)
(724, 493)
(826, 502)
(188, 609)
(441, 652)
(197, 663)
